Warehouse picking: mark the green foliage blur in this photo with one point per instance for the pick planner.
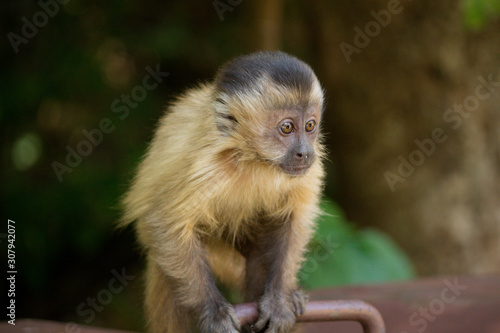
(340, 254)
(478, 12)
(65, 79)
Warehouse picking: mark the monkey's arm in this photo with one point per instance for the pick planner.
(281, 300)
(180, 254)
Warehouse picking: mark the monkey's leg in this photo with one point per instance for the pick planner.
(163, 314)
(181, 256)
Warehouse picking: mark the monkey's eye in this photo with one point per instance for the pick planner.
(310, 125)
(287, 127)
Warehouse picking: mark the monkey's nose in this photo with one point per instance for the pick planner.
(300, 156)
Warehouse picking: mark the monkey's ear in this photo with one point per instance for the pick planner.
(225, 121)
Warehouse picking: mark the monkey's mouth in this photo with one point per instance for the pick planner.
(295, 170)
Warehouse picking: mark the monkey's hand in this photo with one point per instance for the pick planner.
(219, 317)
(277, 311)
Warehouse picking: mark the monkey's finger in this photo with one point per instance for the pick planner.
(299, 309)
(234, 320)
(236, 323)
(299, 300)
(295, 309)
(261, 325)
(302, 305)
(302, 308)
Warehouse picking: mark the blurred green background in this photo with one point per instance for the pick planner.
(63, 75)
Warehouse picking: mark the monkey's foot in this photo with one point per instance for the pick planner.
(220, 318)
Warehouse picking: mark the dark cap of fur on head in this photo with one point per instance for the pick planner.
(243, 72)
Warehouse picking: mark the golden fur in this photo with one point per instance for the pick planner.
(201, 191)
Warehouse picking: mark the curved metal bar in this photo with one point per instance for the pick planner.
(339, 310)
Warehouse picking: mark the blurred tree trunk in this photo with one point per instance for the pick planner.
(384, 107)
(268, 22)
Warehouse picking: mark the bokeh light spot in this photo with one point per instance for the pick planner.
(26, 151)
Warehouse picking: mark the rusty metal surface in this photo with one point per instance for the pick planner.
(435, 305)
(47, 326)
(458, 304)
(319, 311)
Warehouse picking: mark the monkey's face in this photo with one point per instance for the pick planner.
(274, 124)
(290, 141)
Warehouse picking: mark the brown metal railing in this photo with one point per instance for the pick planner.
(339, 310)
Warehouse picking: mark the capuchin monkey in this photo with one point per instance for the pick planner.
(228, 191)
